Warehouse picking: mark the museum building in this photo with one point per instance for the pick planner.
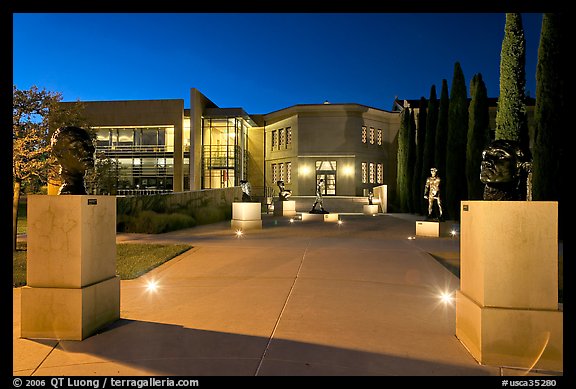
(161, 146)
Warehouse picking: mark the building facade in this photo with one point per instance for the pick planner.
(160, 146)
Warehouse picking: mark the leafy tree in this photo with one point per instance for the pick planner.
(511, 120)
(417, 185)
(402, 157)
(550, 113)
(455, 182)
(35, 115)
(103, 179)
(429, 142)
(441, 137)
(478, 135)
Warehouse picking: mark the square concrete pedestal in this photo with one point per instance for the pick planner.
(432, 229)
(246, 216)
(72, 288)
(320, 217)
(507, 307)
(370, 209)
(285, 208)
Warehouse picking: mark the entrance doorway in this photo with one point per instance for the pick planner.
(326, 170)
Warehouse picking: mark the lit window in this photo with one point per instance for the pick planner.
(274, 139)
(274, 173)
(371, 135)
(364, 173)
(379, 173)
(288, 172)
(364, 134)
(379, 137)
(281, 138)
(371, 172)
(281, 172)
(288, 136)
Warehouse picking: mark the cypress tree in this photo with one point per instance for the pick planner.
(402, 158)
(455, 182)
(417, 186)
(411, 161)
(441, 138)
(550, 115)
(511, 120)
(478, 135)
(429, 143)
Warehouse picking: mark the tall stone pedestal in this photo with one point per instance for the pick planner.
(246, 216)
(72, 288)
(507, 306)
(285, 208)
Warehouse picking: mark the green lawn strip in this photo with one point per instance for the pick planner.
(136, 259)
(132, 259)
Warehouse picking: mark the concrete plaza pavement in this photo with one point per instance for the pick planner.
(292, 299)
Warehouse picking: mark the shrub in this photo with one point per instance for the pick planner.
(151, 222)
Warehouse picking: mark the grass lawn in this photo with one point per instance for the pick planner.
(132, 259)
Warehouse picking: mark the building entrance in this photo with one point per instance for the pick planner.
(326, 170)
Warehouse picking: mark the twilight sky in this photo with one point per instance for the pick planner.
(261, 62)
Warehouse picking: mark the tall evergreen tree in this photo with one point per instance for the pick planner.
(550, 114)
(455, 182)
(478, 135)
(511, 120)
(402, 158)
(411, 161)
(441, 137)
(417, 186)
(429, 141)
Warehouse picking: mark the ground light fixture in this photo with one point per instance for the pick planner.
(152, 286)
(239, 233)
(446, 297)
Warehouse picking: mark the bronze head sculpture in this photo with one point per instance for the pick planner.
(283, 193)
(74, 150)
(505, 171)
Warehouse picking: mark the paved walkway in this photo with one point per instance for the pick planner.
(302, 298)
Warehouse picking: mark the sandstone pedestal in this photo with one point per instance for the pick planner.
(72, 288)
(246, 216)
(285, 208)
(507, 306)
(431, 229)
(370, 209)
(320, 217)
(381, 197)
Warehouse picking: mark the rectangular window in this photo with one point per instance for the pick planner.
(282, 172)
(371, 135)
(281, 138)
(364, 134)
(364, 172)
(274, 173)
(371, 172)
(288, 136)
(288, 172)
(379, 137)
(274, 139)
(379, 174)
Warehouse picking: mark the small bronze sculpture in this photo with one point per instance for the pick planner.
(74, 150)
(319, 201)
(246, 189)
(432, 193)
(370, 198)
(283, 193)
(505, 171)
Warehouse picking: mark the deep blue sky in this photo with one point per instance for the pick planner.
(261, 62)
